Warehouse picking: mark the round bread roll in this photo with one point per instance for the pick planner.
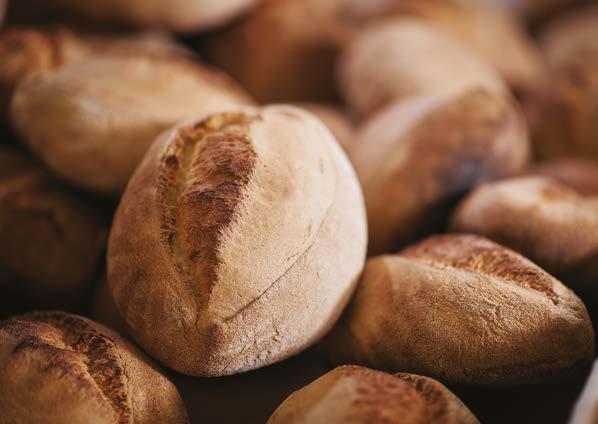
(540, 218)
(355, 395)
(464, 310)
(177, 15)
(25, 51)
(578, 174)
(562, 113)
(417, 157)
(51, 239)
(492, 32)
(94, 131)
(336, 120)
(586, 408)
(252, 238)
(61, 368)
(572, 38)
(284, 50)
(405, 57)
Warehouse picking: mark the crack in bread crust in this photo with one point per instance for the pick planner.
(72, 345)
(201, 179)
(479, 255)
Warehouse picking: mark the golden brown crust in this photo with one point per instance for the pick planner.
(540, 218)
(421, 155)
(84, 370)
(25, 51)
(52, 240)
(353, 394)
(510, 322)
(578, 174)
(203, 173)
(259, 189)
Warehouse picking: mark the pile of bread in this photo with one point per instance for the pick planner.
(298, 211)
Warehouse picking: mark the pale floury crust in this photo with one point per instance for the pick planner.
(578, 174)
(510, 322)
(572, 38)
(94, 131)
(404, 57)
(586, 408)
(415, 158)
(541, 219)
(177, 15)
(52, 240)
(57, 367)
(265, 189)
(355, 395)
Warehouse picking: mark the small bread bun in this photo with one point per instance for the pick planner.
(464, 310)
(405, 57)
(417, 157)
(94, 131)
(357, 395)
(336, 120)
(51, 239)
(540, 218)
(252, 240)
(61, 368)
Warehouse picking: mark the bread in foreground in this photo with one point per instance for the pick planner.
(252, 240)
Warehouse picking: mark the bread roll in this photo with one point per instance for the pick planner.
(51, 239)
(541, 219)
(252, 239)
(336, 120)
(405, 57)
(93, 131)
(562, 113)
(464, 310)
(417, 157)
(572, 38)
(578, 174)
(25, 51)
(355, 395)
(492, 32)
(586, 408)
(284, 50)
(62, 368)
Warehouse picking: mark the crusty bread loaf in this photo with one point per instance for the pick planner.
(541, 219)
(93, 131)
(252, 238)
(404, 57)
(176, 15)
(51, 239)
(25, 51)
(417, 157)
(336, 120)
(356, 395)
(465, 310)
(578, 174)
(62, 368)
(586, 408)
